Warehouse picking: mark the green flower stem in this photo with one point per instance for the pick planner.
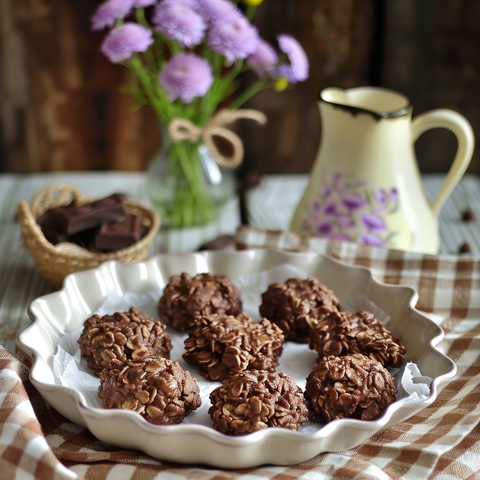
(247, 94)
(251, 9)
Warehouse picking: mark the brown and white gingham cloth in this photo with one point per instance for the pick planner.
(441, 442)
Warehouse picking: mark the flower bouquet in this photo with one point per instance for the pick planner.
(186, 56)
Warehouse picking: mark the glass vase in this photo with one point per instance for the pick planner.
(186, 186)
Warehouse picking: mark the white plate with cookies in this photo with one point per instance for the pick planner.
(59, 316)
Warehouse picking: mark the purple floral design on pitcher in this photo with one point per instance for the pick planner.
(352, 211)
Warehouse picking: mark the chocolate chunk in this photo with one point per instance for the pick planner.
(468, 216)
(160, 390)
(186, 299)
(224, 345)
(73, 219)
(297, 305)
(465, 248)
(49, 225)
(343, 333)
(353, 386)
(256, 399)
(224, 243)
(123, 336)
(118, 235)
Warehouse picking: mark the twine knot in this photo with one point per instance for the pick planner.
(183, 129)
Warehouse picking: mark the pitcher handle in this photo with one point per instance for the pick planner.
(458, 124)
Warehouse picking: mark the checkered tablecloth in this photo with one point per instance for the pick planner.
(441, 442)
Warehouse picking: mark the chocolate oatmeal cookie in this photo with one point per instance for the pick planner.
(123, 335)
(256, 399)
(343, 333)
(186, 299)
(297, 305)
(224, 345)
(160, 390)
(352, 386)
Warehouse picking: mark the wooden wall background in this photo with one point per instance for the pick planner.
(61, 109)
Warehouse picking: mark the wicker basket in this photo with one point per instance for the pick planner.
(57, 261)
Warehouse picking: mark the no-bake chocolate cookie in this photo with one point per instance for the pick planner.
(256, 399)
(297, 305)
(160, 390)
(122, 336)
(352, 386)
(343, 333)
(224, 345)
(186, 299)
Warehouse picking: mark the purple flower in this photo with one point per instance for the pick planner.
(371, 240)
(341, 236)
(330, 208)
(122, 41)
(263, 59)
(326, 191)
(217, 10)
(109, 11)
(297, 71)
(324, 228)
(234, 38)
(380, 196)
(354, 202)
(373, 222)
(179, 22)
(143, 3)
(393, 194)
(186, 76)
(345, 221)
(315, 206)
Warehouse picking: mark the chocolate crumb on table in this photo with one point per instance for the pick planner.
(465, 248)
(122, 336)
(256, 399)
(297, 305)
(352, 386)
(160, 390)
(185, 299)
(224, 345)
(343, 333)
(468, 215)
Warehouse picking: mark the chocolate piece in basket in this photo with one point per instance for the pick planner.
(118, 235)
(131, 335)
(297, 305)
(224, 345)
(160, 390)
(352, 386)
(256, 399)
(185, 299)
(343, 333)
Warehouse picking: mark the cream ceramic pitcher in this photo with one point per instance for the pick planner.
(365, 185)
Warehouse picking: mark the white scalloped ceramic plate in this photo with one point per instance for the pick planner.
(83, 292)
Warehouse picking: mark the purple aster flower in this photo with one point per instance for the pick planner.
(143, 3)
(341, 236)
(330, 208)
(186, 76)
(354, 202)
(371, 240)
(234, 38)
(179, 22)
(345, 221)
(373, 222)
(217, 10)
(297, 71)
(109, 11)
(324, 228)
(263, 59)
(122, 41)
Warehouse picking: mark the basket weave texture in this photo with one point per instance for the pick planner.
(57, 261)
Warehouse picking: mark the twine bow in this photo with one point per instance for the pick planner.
(183, 129)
